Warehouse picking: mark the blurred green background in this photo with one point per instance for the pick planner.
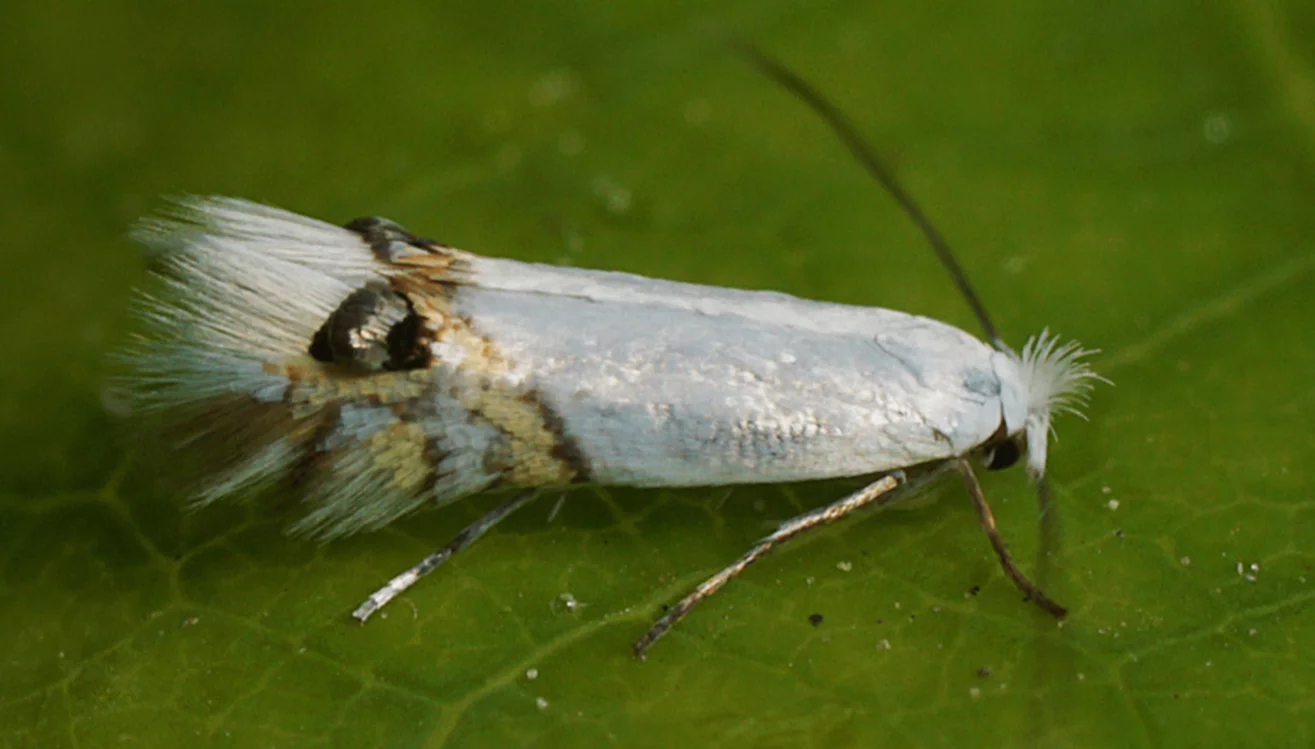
(1134, 175)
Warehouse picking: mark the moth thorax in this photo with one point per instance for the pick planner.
(373, 329)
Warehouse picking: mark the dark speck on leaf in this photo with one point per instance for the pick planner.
(815, 619)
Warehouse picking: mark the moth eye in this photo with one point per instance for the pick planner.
(1002, 455)
(373, 329)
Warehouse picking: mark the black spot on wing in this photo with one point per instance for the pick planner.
(373, 329)
(387, 239)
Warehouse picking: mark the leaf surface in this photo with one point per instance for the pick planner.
(1136, 176)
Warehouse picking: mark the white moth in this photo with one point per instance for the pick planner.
(381, 372)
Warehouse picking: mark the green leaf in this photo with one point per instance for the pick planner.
(1137, 176)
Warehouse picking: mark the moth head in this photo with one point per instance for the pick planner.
(1047, 379)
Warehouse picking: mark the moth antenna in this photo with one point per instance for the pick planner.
(867, 158)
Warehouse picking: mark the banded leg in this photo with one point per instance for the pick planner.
(466, 537)
(876, 494)
(987, 521)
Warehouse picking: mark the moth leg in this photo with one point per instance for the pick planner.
(1047, 533)
(876, 494)
(987, 521)
(466, 537)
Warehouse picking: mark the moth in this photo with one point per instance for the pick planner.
(380, 372)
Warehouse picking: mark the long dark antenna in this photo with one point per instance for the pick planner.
(848, 135)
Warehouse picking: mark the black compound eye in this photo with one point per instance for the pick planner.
(373, 329)
(1003, 454)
